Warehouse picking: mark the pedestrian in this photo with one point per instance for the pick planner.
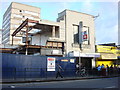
(107, 70)
(115, 69)
(99, 70)
(111, 70)
(119, 69)
(77, 68)
(103, 70)
(59, 69)
(102, 66)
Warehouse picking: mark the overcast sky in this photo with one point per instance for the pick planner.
(106, 25)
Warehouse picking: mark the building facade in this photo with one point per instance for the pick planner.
(0, 36)
(13, 17)
(108, 55)
(79, 36)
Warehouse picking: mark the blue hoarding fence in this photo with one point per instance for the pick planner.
(25, 66)
(27, 73)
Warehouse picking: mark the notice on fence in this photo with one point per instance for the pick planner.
(50, 64)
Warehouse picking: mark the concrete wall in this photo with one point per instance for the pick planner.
(19, 12)
(73, 17)
(61, 32)
(70, 18)
(40, 39)
(0, 36)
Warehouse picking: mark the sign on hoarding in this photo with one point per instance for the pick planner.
(50, 64)
(64, 60)
(72, 60)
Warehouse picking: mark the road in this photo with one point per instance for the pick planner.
(87, 83)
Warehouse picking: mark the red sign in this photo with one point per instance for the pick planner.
(85, 36)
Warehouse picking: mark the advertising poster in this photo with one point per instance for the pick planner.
(50, 64)
(72, 60)
(85, 35)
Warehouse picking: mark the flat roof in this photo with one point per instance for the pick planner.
(25, 4)
(76, 12)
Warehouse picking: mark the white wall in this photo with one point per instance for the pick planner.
(73, 17)
(40, 39)
(0, 36)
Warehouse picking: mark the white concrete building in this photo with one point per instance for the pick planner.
(15, 14)
(79, 36)
(0, 36)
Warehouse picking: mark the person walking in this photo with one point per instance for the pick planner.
(59, 69)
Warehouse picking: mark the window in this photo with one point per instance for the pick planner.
(76, 34)
(16, 15)
(32, 13)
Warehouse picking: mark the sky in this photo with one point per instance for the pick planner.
(106, 25)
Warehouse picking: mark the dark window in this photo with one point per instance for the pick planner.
(76, 34)
(20, 10)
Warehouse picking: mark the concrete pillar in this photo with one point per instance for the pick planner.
(53, 31)
(26, 52)
(93, 62)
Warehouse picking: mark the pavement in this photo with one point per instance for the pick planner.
(87, 84)
(8, 81)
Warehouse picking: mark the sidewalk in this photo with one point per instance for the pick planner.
(8, 81)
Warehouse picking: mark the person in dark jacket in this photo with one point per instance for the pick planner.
(59, 69)
(107, 70)
(111, 70)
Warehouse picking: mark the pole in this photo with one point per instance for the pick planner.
(27, 38)
(12, 40)
(27, 34)
(79, 58)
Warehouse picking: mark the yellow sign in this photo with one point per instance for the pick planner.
(64, 60)
(108, 56)
(108, 52)
(106, 49)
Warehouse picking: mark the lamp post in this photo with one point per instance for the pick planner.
(79, 58)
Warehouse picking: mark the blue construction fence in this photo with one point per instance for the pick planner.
(28, 66)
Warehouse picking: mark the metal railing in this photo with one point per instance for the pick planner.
(42, 73)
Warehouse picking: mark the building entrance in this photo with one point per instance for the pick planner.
(87, 62)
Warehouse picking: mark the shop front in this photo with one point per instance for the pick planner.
(107, 59)
(86, 59)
